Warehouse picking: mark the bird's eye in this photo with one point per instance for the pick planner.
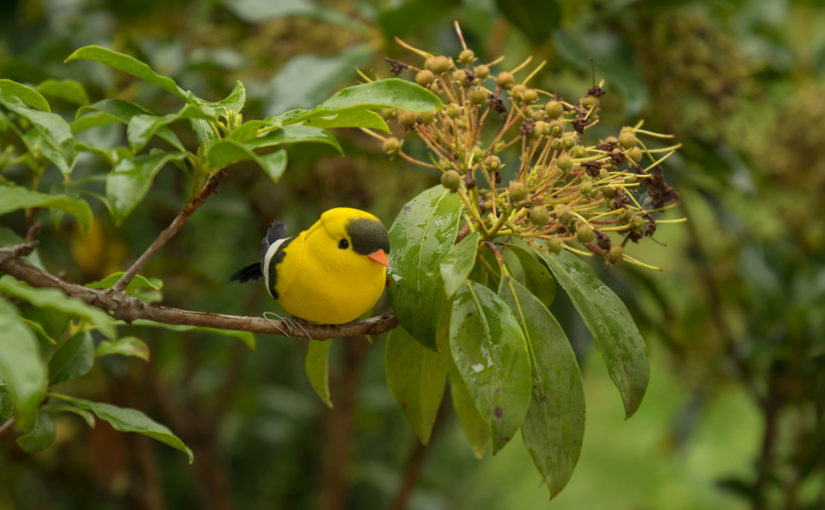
(343, 244)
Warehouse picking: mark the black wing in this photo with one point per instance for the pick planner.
(277, 230)
(252, 272)
(249, 273)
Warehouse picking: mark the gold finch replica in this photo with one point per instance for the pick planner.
(331, 273)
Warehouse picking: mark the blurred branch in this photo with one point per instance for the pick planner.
(129, 308)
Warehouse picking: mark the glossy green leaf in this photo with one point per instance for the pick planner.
(295, 133)
(615, 334)
(29, 96)
(13, 198)
(21, 367)
(420, 237)
(51, 126)
(244, 336)
(118, 110)
(129, 420)
(53, 407)
(316, 365)
(38, 146)
(235, 101)
(127, 64)
(537, 277)
(138, 282)
(67, 90)
(459, 262)
(355, 117)
(554, 425)
(53, 298)
(41, 436)
(491, 355)
(536, 20)
(129, 181)
(475, 428)
(225, 152)
(73, 359)
(416, 377)
(142, 127)
(124, 346)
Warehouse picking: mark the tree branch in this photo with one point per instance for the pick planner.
(129, 308)
(173, 228)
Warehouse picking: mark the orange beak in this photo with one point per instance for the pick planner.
(379, 257)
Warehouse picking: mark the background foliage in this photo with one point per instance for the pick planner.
(733, 413)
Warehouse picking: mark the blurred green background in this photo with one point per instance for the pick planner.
(733, 417)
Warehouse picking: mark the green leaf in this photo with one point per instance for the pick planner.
(475, 428)
(142, 127)
(416, 377)
(537, 277)
(117, 110)
(51, 126)
(37, 328)
(41, 436)
(137, 283)
(127, 64)
(17, 197)
(459, 262)
(21, 367)
(129, 420)
(53, 408)
(68, 90)
(355, 117)
(244, 336)
(316, 365)
(225, 152)
(53, 298)
(129, 181)
(73, 359)
(420, 237)
(38, 146)
(6, 402)
(615, 334)
(235, 101)
(295, 133)
(125, 346)
(490, 353)
(554, 425)
(29, 96)
(536, 20)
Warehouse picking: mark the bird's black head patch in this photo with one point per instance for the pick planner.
(368, 235)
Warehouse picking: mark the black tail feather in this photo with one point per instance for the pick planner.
(249, 273)
(276, 230)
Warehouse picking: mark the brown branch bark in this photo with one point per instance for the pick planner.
(170, 231)
(129, 308)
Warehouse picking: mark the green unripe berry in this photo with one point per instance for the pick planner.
(635, 154)
(451, 180)
(530, 96)
(407, 118)
(538, 215)
(563, 213)
(586, 189)
(426, 117)
(585, 233)
(588, 102)
(438, 65)
(554, 109)
(637, 223)
(491, 163)
(424, 77)
(604, 174)
(556, 128)
(630, 179)
(500, 146)
(481, 71)
(614, 254)
(540, 128)
(391, 145)
(505, 80)
(466, 56)
(627, 139)
(460, 77)
(608, 191)
(518, 191)
(556, 143)
(517, 91)
(578, 151)
(564, 163)
(477, 153)
(569, 140)
(434, 88)
(477, 95)
(389, 113)
(555, 245)
(453, 111)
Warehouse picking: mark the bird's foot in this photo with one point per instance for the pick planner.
(291, 325)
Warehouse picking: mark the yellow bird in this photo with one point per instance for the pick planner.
(330, 273)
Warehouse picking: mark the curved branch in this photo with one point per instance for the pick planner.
(129, 308)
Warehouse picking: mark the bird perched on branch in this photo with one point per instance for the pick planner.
(330, 273)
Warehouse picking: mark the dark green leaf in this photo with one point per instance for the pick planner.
(51, 126)
(127, 64)
(294, 133)
(225, 152)
(316, 365)
(73, 359)
(38, 146)
(554, 426)
(130, 180)
(537, 277)
(37, 328)
(53, 408)
(21, 368)
(456, 266)
(475, 428)
(53, 298)
(420, 237)
(125, 346)
(143, 127)
(29, 96)
(117, 110)
(68, 90)
(615, 334)
(17, 197)
(536, 20)
(41, 436)
(130, 420)
(416, 377)
(387, 93)
(490, 353)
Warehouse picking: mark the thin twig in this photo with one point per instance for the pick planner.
(129, 308)
(170, 231)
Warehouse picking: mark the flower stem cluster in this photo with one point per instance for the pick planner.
(560, 192)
